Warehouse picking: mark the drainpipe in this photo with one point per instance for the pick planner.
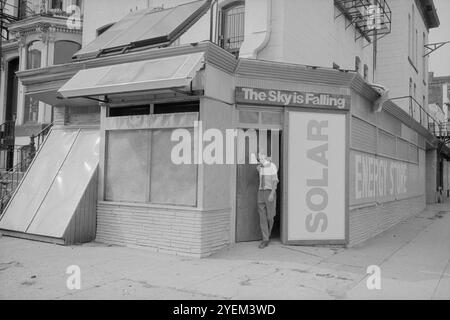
(268, 31)
(259, 39)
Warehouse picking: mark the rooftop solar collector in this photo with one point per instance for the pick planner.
(146, 27)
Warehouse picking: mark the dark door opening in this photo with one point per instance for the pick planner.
(247, 183)
(12, 86)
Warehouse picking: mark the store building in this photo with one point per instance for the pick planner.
(351, 163)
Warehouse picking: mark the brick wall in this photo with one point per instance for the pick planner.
(187, 231)
(367, 222)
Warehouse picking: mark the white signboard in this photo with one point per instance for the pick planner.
(316, 177)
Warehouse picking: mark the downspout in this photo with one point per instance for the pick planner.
(268, 31)
(214, 4)
(258, 37)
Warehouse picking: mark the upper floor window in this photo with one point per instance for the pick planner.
(64, 50)
(357, 64)
(409, 36)
(231, 34)
(65, 5)
(57, 4)
(410, 87)
(424, 59)
(416, 49)
(34, 55)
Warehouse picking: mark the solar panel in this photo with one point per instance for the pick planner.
(146, 27)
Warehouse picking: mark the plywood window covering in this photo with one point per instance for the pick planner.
(413, 153)
(402, 149)
(363, 136)
(127, 165)
(170, 183)
(386, 143)
(138, 160)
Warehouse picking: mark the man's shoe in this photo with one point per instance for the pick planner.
(263, 244)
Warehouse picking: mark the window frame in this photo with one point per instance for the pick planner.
(222, 25)
(150, 127)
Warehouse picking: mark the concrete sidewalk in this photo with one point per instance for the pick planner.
(414, 259)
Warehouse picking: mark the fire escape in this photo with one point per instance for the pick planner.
(372, 19)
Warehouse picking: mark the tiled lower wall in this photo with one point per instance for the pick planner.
(367, 222)
(185, 231)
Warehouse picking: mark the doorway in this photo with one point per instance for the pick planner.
(247, 184)
(12, 87)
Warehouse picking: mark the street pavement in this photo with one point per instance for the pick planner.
(413, 257)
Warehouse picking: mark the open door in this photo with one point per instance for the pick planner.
(247, 216)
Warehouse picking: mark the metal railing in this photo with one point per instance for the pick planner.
(11, 179)
(7, 130)
(31, 8)
(418, 113)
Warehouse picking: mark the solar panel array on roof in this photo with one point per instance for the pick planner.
(146, 27)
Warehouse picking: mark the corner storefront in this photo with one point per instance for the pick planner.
(347, 171)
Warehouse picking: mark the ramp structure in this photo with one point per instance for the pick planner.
(56, 200)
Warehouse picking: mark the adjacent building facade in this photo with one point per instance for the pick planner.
(38, 34)
(168, 102)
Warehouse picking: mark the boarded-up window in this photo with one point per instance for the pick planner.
(402, 149)
(413, 153)
(127, 165)
(386, 143)
(140, 167)
(171, 183)
(363, 135)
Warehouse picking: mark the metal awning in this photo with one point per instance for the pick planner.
(165, 73)
(50, 96)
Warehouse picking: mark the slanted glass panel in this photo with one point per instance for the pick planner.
(102, 41)
(146, 27)
(139, 28)
(127, 165)
(171, 183)
(175, 18)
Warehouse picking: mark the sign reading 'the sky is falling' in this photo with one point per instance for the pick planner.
(292, 98)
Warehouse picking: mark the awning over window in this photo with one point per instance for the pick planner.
(164, 73)
(50, 96)
(146, 27)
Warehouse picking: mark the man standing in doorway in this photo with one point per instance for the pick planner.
(268, 181)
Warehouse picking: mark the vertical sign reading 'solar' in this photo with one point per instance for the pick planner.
(316, 191)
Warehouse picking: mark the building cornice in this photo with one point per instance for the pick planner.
(428, 12)
(40, 23)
